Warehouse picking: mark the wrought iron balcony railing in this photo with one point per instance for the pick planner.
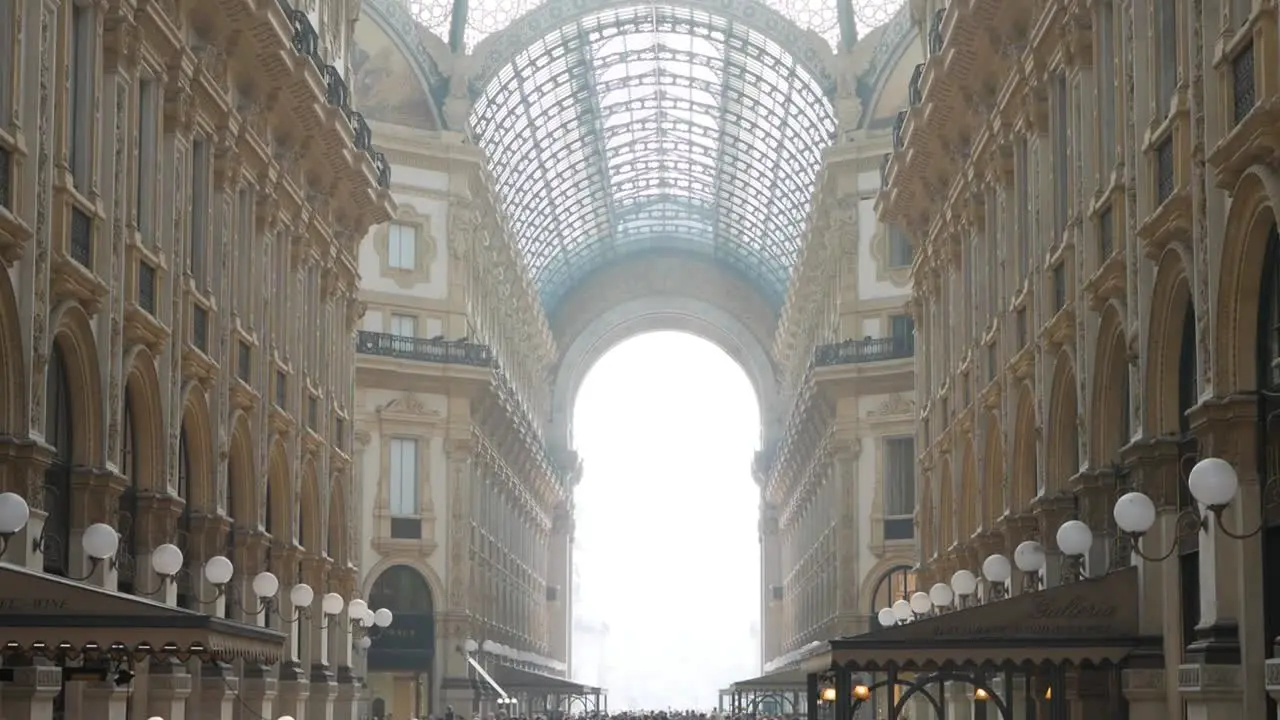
(851, 352)
(452, 352)
(936, 37)
(914, 93)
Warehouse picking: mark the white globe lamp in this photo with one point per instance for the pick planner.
(1074, 538)
(964, 583)
(902, 610)
(382, 617)
(996, 568)
(301, 595)
(1213, 482)
(332, 603)
(14, 513)
(100, 541)
(166, 560)
(356, 608)
(1135, 513)
(265, 585)
(1029, 556)
(920, 603)
(218, 570)
(886, 617)
(941, 595)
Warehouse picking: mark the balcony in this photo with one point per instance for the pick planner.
(850, 352)
(445, 352)
(865, 367)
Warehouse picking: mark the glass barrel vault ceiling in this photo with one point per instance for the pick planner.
(485, 17)
(655, 127)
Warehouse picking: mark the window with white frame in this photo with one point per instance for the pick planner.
(899, 488)
(402, 246)
(81, 61)
(404, 325)
(404, 477)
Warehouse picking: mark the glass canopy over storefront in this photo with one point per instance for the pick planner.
(615, 128)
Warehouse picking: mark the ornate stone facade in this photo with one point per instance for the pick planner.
(181, 190)
(1091, 190)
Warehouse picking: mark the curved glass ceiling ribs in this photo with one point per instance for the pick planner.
(655, 127)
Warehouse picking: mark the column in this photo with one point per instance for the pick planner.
(1050, 513)
(31, 692)
(218, 689)
(851, 617)
(560, 576)
(168, 687)
(346, 696)
(770, 578)
(258, 690)
(1222, 675)
(456, 689)
(454, 624)
(958, 701)
(104, 700)
(155, 525)
(316, 571)
(22, 467)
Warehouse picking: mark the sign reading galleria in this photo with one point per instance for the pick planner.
(1073, 616)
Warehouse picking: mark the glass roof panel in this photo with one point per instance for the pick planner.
(434, 15)
(485, 17)
(654, 127)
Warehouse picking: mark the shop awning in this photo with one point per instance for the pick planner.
(789, 679)
(529, 681)
(1093, 620)
(44, 613)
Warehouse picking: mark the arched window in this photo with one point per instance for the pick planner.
(401, 589)
(1269, 435)
(897, 583)
(127, 522)
(1189, 545)
(185, 585)
(55, 539)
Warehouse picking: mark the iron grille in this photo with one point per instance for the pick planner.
(914, 92)
(200, 328)
(452, 352)
(1244, 93)
(936, 38)
(81, 240)
(1164, 170)
(850, 352)
(898, 122)
(244, 362)
(6, 199)
(146, 286)
(1106, 235)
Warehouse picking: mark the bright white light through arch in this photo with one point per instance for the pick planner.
(666, 550)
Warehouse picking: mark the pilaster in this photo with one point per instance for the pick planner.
(168, 687)
(1146, 690)
(347, 695)
(31, 692)
(218, 688)
(22, 467)
(257, 693)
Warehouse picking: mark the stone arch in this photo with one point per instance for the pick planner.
(13, 369)
(1025, 483)
(309, 518)
(1063, 453)
(197, 431)
(1109, 419)
(502, 48)
(75, 341)
(1250, 220)
(434, 583)
(993, 490)
(277, 515)
(648, 314)
(946, 507)
(146, 413)
(970, 498)
(242, 491)
(1170, 298)
(896, 572)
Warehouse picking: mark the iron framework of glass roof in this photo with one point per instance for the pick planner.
(464, 23)
(652, 127)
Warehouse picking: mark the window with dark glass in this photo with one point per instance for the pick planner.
(899, 488)
(55, 538)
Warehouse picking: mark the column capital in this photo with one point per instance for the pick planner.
(1157, 468)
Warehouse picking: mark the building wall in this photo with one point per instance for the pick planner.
(166, 275)
(1088, 302)
(847, 386)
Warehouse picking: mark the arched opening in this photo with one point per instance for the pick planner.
(993, 490)
(666, 426)
(1027, 482)
(1268, 378)
(401, 663)
(971, 497)
(127, 523)
(1064, 444)
(186, 585)
(896, 583)
(59, 425)
(1187, 395)
(1111, 392)
(946, 507)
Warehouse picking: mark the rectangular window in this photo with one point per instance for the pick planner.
(900, 253)
(901, 326)
(245, 244)
(145, 178)
(899, 487)
(1059, 286)
(404, 477)
(1104, 77)
(1061, 157)
(199, 211)
(404, 326)
(993, 257)
(81, 71)
(1165, 41)
(8, 60)
(402, 246)
(1023, 173)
